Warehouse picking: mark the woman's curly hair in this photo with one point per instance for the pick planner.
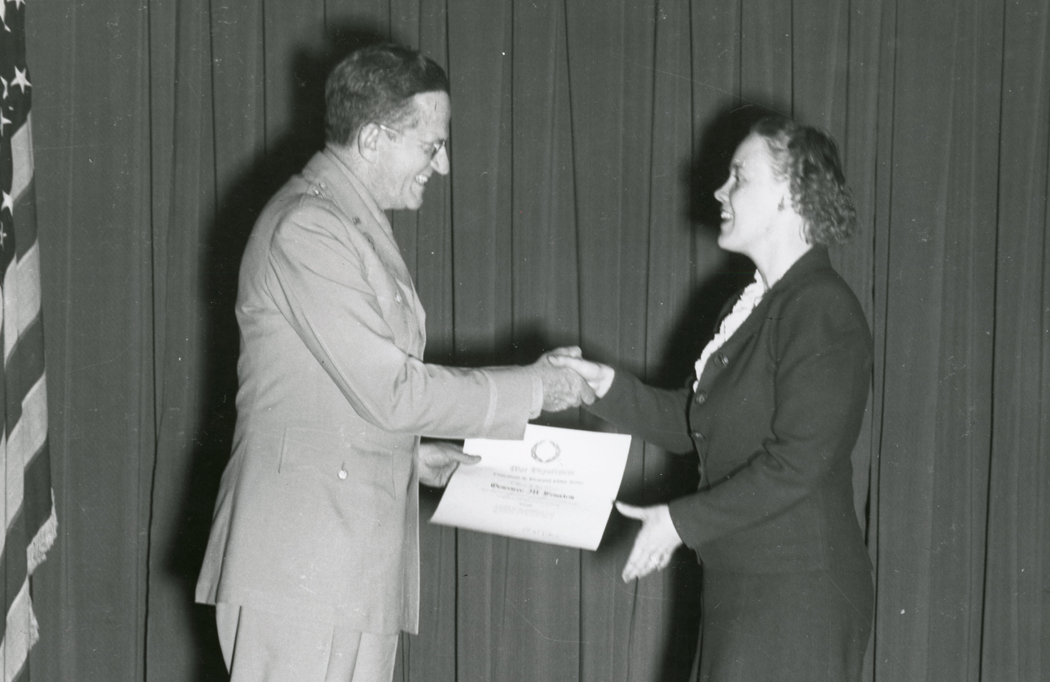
(809, 160)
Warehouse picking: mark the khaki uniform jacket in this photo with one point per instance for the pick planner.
(317, 513)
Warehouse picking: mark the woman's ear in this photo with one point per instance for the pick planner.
(785, 203)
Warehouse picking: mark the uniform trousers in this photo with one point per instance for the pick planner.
(266, 647)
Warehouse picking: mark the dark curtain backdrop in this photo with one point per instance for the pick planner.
(587, 138)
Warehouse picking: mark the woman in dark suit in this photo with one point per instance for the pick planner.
(773, 415)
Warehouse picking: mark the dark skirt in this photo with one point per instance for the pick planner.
(784, 627)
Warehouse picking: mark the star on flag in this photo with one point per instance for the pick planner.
(20, 80)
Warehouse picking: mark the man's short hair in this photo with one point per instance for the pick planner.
(377, 84)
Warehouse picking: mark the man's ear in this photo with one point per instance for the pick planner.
(368, 141)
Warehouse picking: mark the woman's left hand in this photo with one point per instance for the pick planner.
(656, 541)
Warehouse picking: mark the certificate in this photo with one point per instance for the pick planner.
(555, 486)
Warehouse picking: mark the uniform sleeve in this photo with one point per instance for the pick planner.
(330, 294)
(822, 354)
(658, 416)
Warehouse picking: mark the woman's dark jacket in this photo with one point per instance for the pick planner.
(773, 421)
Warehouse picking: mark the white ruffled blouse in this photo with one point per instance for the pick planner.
(747, 302)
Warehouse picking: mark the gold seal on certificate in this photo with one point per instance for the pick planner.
(555, 486)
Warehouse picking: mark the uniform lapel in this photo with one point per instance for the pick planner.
(364, 215)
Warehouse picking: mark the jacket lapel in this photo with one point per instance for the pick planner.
(813, 260)
(362, 213)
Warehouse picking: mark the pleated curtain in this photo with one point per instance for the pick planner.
(587, 139)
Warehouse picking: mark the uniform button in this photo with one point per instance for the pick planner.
(722, 359)
(342, 474)
(397, 296)
(701, 397)
(697, 435)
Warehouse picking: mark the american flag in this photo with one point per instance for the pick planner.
(29, 510)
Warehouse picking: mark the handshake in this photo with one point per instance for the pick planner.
(569, 380)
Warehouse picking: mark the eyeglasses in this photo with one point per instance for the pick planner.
(431, 149)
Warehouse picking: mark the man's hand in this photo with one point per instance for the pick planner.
(598, 376)
(438, 459)
(562, 387)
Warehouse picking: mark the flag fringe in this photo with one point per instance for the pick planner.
(36, 552)
(22, 633)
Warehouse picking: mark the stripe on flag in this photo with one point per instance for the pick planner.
(30, 523)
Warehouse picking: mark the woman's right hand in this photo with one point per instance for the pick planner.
(598, 376)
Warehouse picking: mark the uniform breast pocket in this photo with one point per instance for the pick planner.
(398, 314)
(396, 299)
